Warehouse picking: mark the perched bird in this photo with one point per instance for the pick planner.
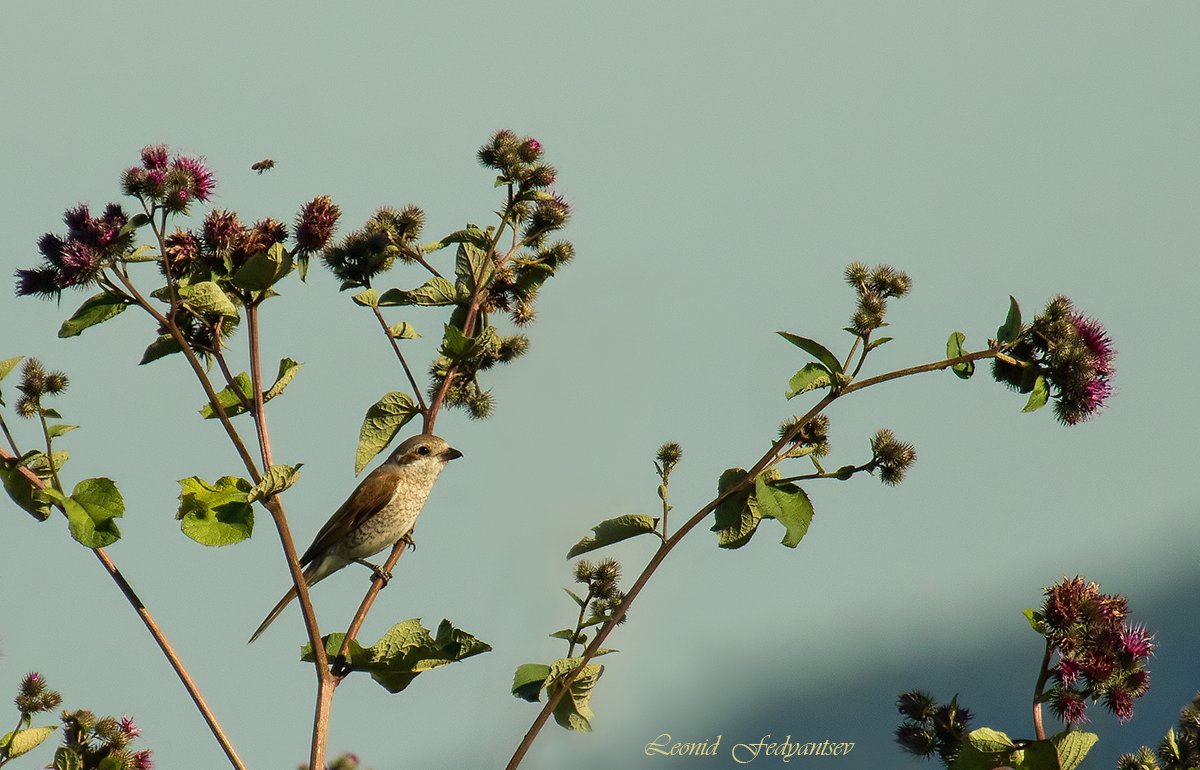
(379, 513)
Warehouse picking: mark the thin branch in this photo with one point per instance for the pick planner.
(11, 442)
(1043, 677)
(768, 458)
(376, 586)
(325, 683)
(396, 347)
(159, 638)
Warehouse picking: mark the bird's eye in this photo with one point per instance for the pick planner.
(423, 450)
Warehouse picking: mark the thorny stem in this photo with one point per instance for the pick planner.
(1043, 677)
(160, 639)
(768, 459)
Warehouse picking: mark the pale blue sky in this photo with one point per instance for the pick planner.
(725, 161)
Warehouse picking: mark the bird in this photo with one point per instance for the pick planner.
(380, 512)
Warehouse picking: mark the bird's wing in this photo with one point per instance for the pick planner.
(375, 492)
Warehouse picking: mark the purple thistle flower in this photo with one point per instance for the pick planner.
(127, 726)
(1067, 671)
(1137, 641)
(315, 223)
(40, 281)
(51, 246)
(154, 179)
(1119, 703)
(1094, 335)
(203, 180)
(1070, 706)
(77, 221)
(79, 264)
(154, 157)
(142, 760)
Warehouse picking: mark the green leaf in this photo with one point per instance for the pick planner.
(985, 749)
(573, 711)
(1071, 747)
(1036, 621)
(987, 739)
(22, 491)
(1038, 396)
(264, 269)
(143, 253)
(816, 350)
(569, 634)
(38, 462)
(404, 652)
(133, 223)
(613, 531)
(287, 371)
(230, 400)
(58, 429)
(111, 763)
(473, 266)
(737, 517)
(1011, 330)
(811, 377)
(954, 349)
(1035, 755)
(578, 599)
(277, 479)
(8, 364)
(786, 503)
(165, 345)
(92, 511)
(94, 310)
(403, 331)
(207, 298)
(472, 234)
(215, 514)
(876, 343)
(384, 420)
(529, 278)
(437, 291)
(20, 742)
(455, 344)
(67, 759)
(529, 680)
(367, 298)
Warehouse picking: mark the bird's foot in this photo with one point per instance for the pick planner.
(408, 540)
(377, 572)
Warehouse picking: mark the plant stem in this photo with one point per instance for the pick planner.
(579, 623)
(667, 546)
(11, 442)
(407, 372)
(325, 680)
(49, 451)
(365, 607)
(1043, 677)
(159, 638)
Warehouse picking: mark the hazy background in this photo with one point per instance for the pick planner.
(725, 161)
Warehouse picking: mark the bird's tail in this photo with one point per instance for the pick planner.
(309, 572)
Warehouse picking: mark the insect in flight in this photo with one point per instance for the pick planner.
(263, 165)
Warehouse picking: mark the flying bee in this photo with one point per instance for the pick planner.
(263, 165)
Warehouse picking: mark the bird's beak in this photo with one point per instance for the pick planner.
(451, 454)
